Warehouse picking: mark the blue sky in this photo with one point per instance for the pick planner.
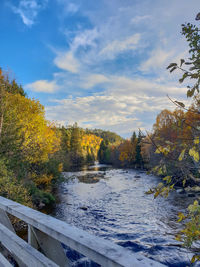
(101, 63)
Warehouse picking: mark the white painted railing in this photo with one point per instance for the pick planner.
(47, 233)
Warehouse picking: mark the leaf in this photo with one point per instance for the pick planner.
(174, 68)
(171, 65)
(181, 217)
(158, 151)
(195, 154)
(185, 75)
(180, 104)
(190, 92)
(182, 61)
(156, 194)
(149, 192)
(181, 156)
(188, 63)
(168, 179)
(196, 140)
(195, 258)
(184, 181)
(178, 237)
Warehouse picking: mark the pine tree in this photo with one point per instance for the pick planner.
(138, 157)
(133, 137)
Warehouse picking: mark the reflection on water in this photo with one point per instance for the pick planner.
(112, 203)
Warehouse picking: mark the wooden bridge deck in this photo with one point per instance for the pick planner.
(46, 236)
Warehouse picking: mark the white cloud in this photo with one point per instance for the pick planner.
(28, 10)
(94, 79)
(67, 61)
(158, 59)
(43, 86)
(139, 19)
(72, 8)
(117, 46)
(84, 39)
(125, 104)
(108, 111)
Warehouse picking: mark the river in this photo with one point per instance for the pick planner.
(111, 203)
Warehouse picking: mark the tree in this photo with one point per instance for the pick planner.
(104, 152)
(191, 66)
(133, 138)
(127, 153)
(138, 156)
(27, 143)
(189, 144)
(38, 139)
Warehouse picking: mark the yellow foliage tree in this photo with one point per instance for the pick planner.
(38, 137)
(127, 151)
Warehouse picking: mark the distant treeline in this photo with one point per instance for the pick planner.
(122, 153)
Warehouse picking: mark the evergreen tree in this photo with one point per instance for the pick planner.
(138, 157)
(104, 152)
(75, 145)
(133, 137)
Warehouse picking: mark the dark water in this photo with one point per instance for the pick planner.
(112, 204)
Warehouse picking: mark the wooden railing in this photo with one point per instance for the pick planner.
(46, 236)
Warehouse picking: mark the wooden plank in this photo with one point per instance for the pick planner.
(97, 249)
(4, 262)
(27, 254)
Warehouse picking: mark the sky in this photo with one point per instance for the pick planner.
(100, 63)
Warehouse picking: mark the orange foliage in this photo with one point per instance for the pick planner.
(127, 151)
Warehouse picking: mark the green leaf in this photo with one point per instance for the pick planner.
(171, 65)
(190, 92)
(172, 69)
(180, 104)
(182, 61)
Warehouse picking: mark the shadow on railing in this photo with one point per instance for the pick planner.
(47, 237)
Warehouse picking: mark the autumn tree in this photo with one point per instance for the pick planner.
(188, 143)
(27, 142)
(138, 156)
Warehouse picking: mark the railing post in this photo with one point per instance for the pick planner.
(31, 237)
(4, 219)
(48, 245)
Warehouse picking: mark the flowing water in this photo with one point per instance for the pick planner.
(111, 203)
